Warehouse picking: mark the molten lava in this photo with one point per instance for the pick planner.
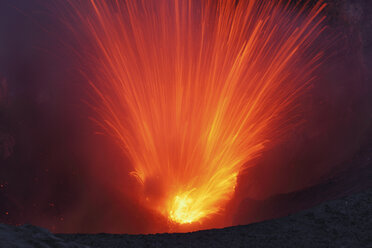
(194, 90)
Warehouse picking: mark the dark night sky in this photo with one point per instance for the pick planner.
(56, 172)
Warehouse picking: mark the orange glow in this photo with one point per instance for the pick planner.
(192, 89)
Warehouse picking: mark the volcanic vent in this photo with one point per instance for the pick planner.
(193, 91)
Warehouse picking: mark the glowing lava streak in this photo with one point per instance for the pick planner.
(191, 89)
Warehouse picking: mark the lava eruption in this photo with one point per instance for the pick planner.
(193, 91)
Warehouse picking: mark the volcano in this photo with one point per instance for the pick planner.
(194, 91)
(180, 115)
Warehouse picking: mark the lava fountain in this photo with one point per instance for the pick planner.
(194, 90)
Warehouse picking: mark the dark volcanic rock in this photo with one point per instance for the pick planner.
(28, 236)
(340, 223)
(345, 222)
(355, 176)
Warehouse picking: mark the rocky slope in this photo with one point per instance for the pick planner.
(28, 236)
(346, 222)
